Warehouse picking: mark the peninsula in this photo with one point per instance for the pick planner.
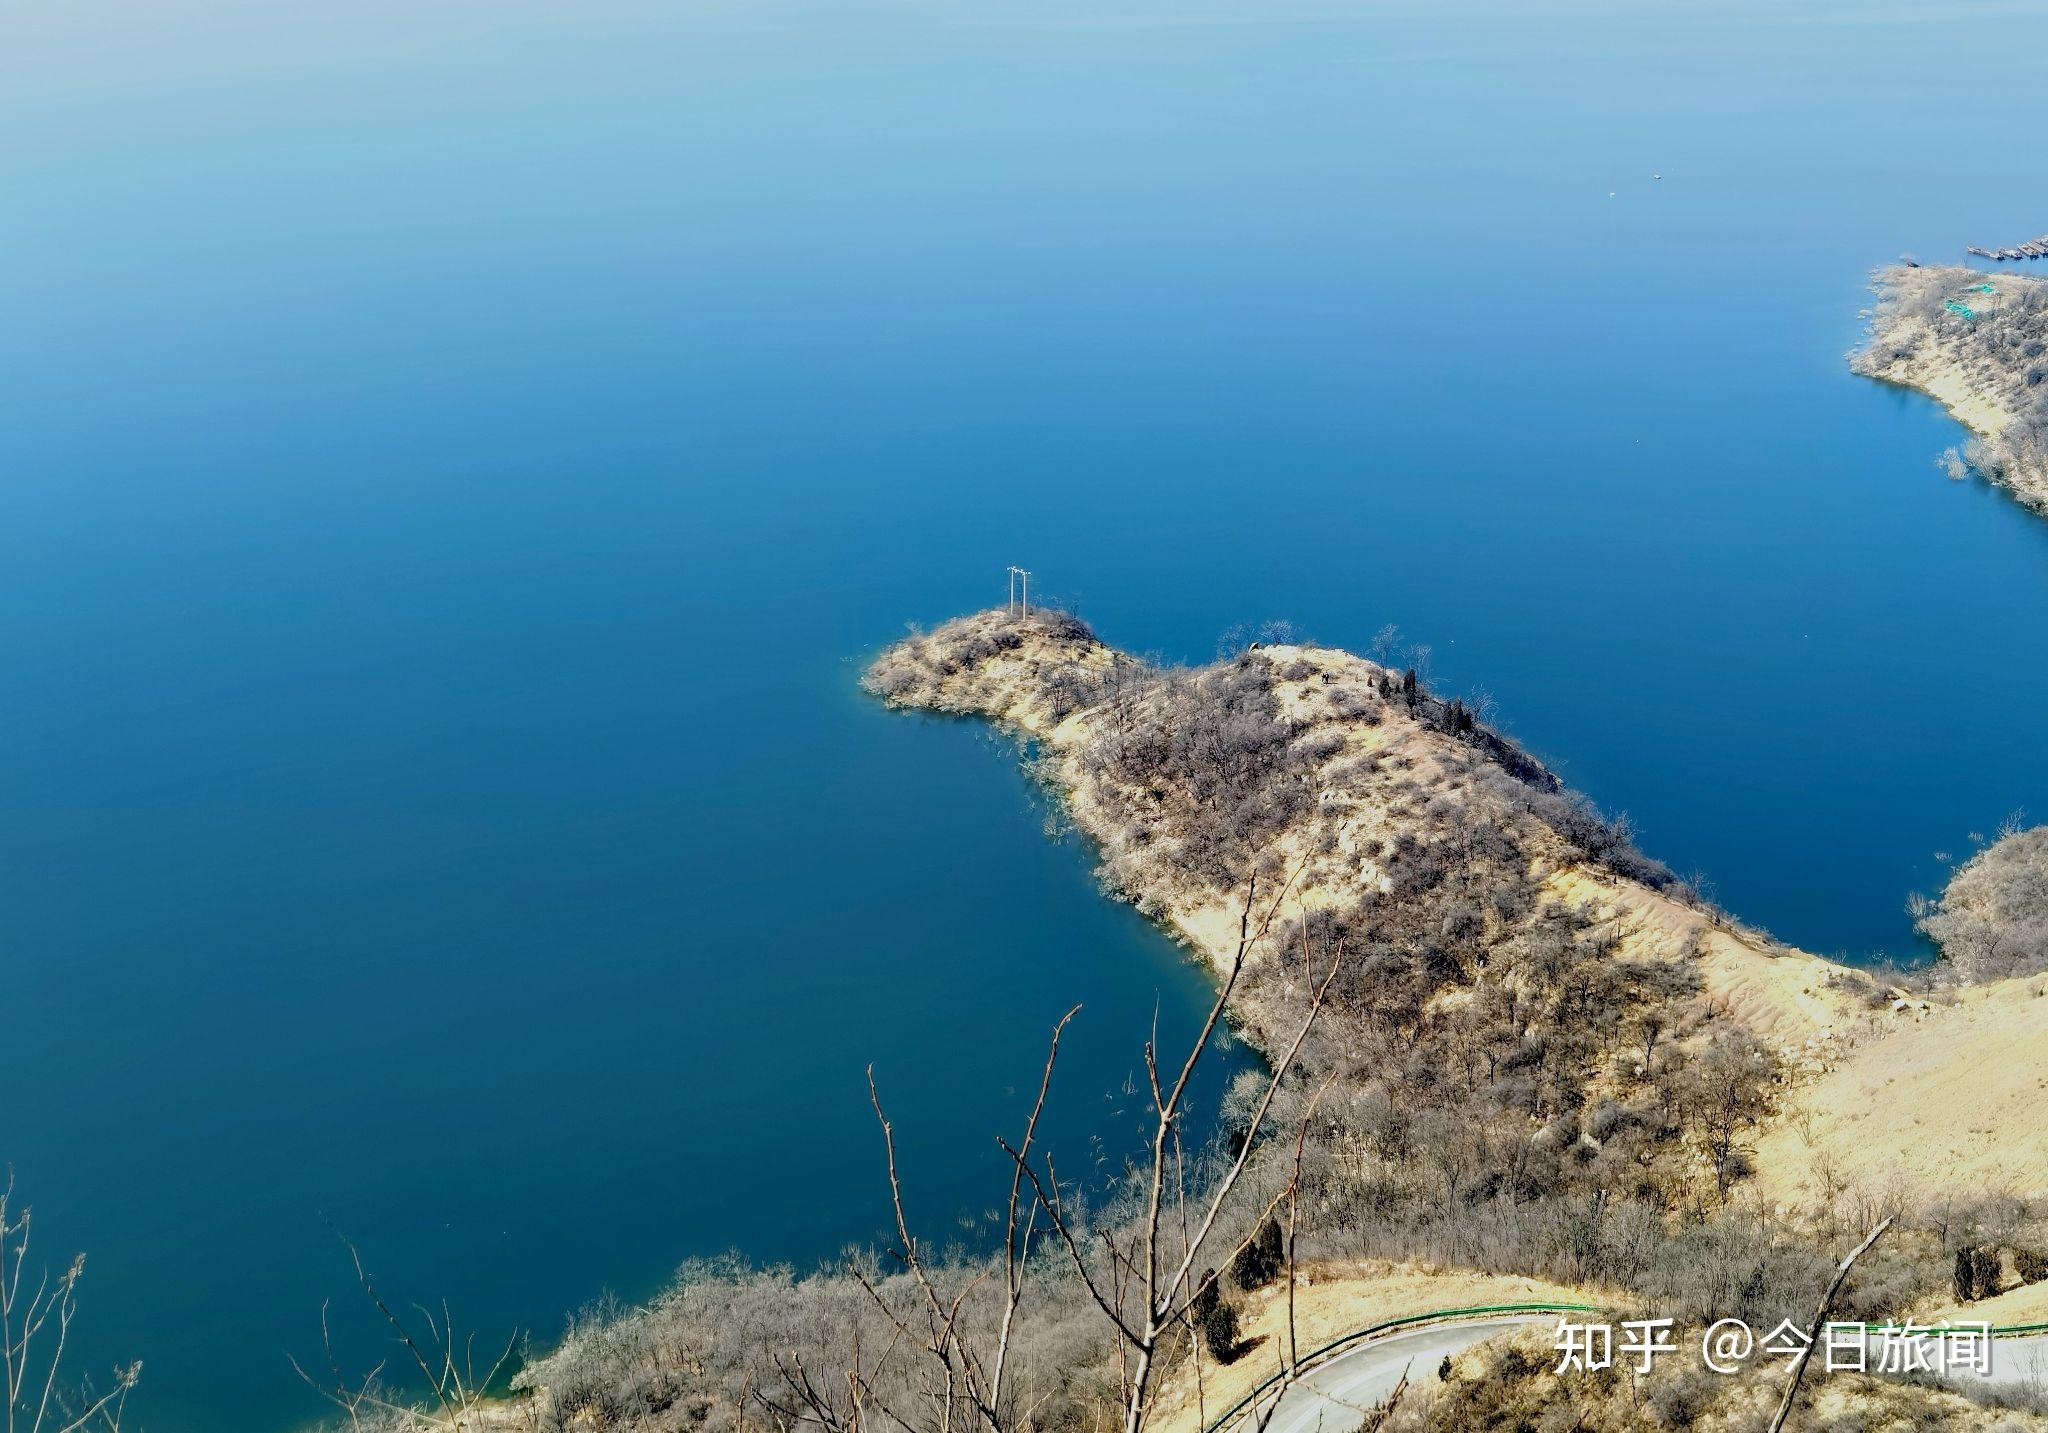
(1978, 343)
(1511, 1060)
(1422, 838)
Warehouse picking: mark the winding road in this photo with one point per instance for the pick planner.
(1333, 1396)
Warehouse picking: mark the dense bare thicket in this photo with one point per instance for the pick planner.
(718, 1350)
(42, 1391)
(1965, 335)
(1992, 919)
(696, 1356)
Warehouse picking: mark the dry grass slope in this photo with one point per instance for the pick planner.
(1953, 1096)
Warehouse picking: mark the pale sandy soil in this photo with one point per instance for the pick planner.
(1968, 399)
(1334, 1300)
(1952, 1097)
(1930, 1098)
(1941, 367)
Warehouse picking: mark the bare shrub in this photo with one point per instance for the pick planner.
(1992, 920)
(43, 1394)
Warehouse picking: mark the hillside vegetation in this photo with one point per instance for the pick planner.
(1979, 343)
(1507, 1050)
(1992, 918)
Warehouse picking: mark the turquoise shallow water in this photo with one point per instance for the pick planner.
(453, 461)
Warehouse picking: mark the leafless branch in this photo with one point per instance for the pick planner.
(1820, 1319)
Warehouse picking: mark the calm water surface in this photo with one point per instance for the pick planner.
(454, 458)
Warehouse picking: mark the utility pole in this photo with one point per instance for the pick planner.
(1020, 592)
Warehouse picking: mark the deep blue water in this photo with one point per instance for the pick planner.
(453, 460)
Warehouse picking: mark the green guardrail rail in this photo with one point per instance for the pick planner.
(1997, 1330)
(1319, 1355)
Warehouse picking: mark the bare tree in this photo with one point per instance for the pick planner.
(1725, 1096)
(445, 1361)
(1145, 1282)
(971, 1370)
(806, 1403)
(35, 1330)
(1418, 661)
(1820, 1319)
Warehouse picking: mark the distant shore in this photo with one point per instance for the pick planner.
(1976, 343)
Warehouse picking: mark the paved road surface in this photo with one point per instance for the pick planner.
(1333, 1396)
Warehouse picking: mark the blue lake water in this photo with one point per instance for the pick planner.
(453, 460)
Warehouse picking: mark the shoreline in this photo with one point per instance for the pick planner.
(1974, 342)
(1837, 1031)
(1374, 816)
(1207, 921)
